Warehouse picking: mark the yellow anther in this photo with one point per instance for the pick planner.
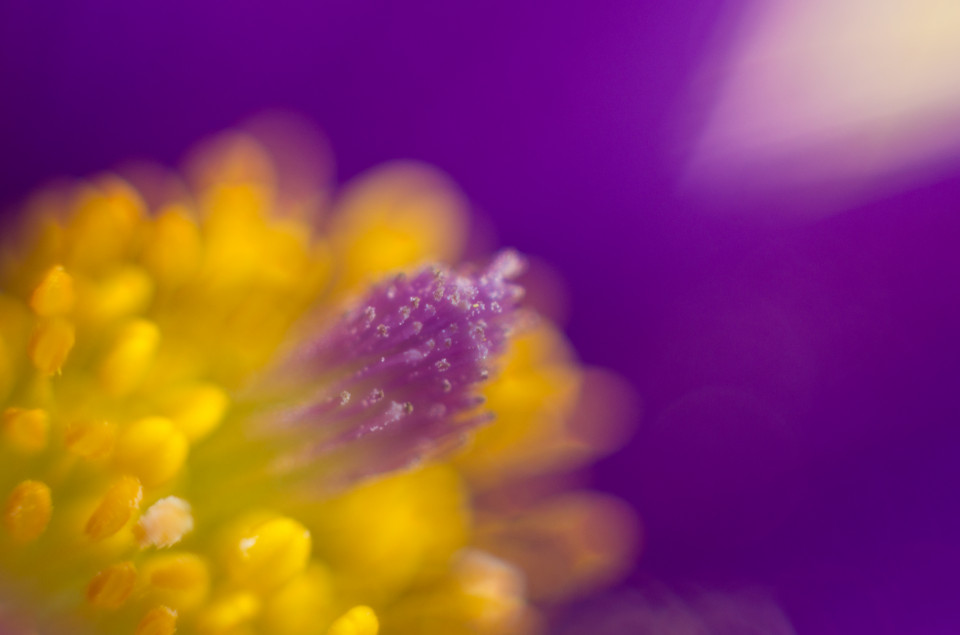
(52, 341)
(179, 579)
(286, 246)
(395, 217)
(28, 511)
(234, 224)
(54, 295)
(26, 430)
(395, 528)
(233, 158)
(160, 620)
(110, 588)
(153, 449)
(493, 589)
(123, 368)
(270, 554)
(172, 253)
(102, 224)
(165, 523)
(91, 440)
(360, 620)
(229, 613)
(115, 509)
(299, 606)
(196, 412)
(123, 292)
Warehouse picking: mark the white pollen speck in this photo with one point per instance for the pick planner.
(383, 330)
(417, 327)
(165, 523)
(395, 411)
(508, 264)
(443, 365)
(344, 397)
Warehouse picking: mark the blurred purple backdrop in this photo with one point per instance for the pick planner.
(800, 377)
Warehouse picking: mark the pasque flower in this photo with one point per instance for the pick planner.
(235, 404)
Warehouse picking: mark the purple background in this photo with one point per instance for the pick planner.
(800, 378)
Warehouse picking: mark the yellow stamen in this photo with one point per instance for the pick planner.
(159, 620)
(234, 223)
(91, 440)
(165, 523)
(26, 430)
(229, 613)
(196, 412)
(54, 295)
(270, 554)
(302, 604)
(179, 579)
(125, 291)
(285, 250)
(28, 511)
(493, 590)
(125, 365)
(395, 218)
(173, 252)
(52, 341)
(153, 449)
(110, 588)
(360, 620)
(115, 509)
(394, 528)
(103, 223)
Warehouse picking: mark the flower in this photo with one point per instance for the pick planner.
(230, 409)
